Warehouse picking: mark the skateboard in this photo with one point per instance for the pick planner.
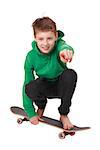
(53, 122)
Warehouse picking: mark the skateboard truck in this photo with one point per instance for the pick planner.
(63, 134)
(20, 120)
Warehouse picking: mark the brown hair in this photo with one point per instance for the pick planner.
(44, 24)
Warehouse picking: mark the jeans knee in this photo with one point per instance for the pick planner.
(30, 89)
(69, 75)
(73, 74)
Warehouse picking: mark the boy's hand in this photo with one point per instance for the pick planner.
(66, 56)
(35, 120)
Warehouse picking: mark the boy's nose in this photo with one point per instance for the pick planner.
(45, 42)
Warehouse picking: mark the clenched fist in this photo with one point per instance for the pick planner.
(35, 120)
(66, 56)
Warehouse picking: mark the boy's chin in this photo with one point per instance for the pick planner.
(45, 52)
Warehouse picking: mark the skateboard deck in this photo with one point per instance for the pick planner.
(53, 122)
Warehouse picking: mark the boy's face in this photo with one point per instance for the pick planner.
(45, 40)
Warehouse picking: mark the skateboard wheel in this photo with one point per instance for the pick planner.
(19, 121)
(72, 133)
(62, 135)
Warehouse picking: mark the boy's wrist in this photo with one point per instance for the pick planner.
(32, 115)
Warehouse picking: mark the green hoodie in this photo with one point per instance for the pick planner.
(45, 65)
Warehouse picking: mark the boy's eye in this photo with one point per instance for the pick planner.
(40, 39)
(50, 38)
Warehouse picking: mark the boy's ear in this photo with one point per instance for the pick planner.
(56, 35)
(34, 37)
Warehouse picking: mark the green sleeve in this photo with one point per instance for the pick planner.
(62, 45)
(29, 76)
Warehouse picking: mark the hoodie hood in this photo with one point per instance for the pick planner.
(60, 34)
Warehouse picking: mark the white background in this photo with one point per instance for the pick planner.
(80, 21)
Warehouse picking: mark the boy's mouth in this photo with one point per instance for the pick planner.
(45, 48)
